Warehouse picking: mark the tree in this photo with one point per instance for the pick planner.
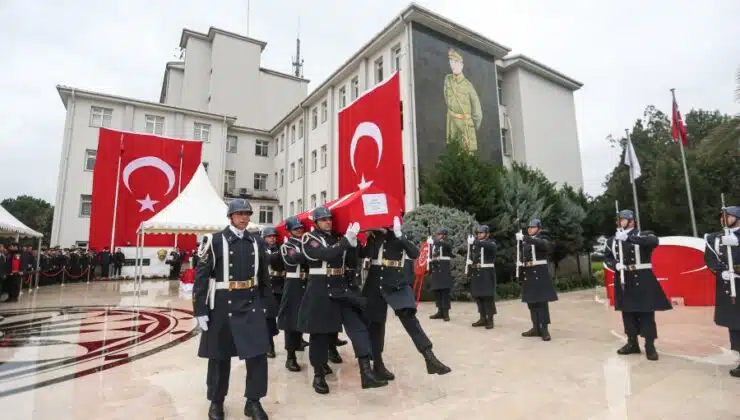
(35, 213)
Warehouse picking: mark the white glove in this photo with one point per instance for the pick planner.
(519, 264)
(468, 262)
(519, 236)
(397, 227)
(203, 322)
(619, 267)
(621, 235)
(352, 230)
(285, 240)
(730, 240)
(430, 241)
(471, 239)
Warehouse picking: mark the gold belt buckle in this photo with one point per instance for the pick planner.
(631, 267)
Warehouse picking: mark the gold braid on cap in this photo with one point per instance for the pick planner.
(454, 54)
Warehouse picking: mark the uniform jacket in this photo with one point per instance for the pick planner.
(482, 271)
(441, 265)
(641, 292)
(276, 279)
(537, 283)
(726, 314)
(296, 276)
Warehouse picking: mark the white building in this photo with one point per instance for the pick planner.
(267, 139)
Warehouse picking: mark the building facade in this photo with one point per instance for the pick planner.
(267, 139)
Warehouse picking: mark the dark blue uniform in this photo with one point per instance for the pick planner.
(483, 278)
(538, 289)
(296, 275)
(275, 287)
(442, 280)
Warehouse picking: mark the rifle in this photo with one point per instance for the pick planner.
(518, 248)
(621, 252)
(730, 262)
(429, 249)
(467, 257)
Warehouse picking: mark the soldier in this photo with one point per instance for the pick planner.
(296, 273)
(329, 304)
(483, 275)
(538, 289)
(464, 113)
(14, 269)
(408, 262)
(277, 281)
(105, 261)
(442, 280)
(387, 285)
(727, 307)
(228, 301)
(637, 292)
(119, 258)
(93, 257)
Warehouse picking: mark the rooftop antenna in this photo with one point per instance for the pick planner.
(249, 15)
(297, 60)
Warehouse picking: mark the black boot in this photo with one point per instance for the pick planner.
(544, 333)
(381, 371)
(271, 351)
(735, 373)
(438, 315)
(481, 322)
(433, 364)
(327, 370)
(533, 332)
(320, 385)
(367, 376)
(632, 347)
(650, 352)
(489, 322)
(303, 345)
(291, 363)
(334, 356)
(216, 411)
(254, 410)
(446, 315)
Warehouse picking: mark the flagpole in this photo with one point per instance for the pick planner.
(179, 180)
(115, 199)
(630, 152)
(683, 162)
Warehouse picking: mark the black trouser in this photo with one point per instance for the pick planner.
(13, 286)
(412, 326)
(104, 271)
(293, 341)
(640, 323)
(540, 314)
(318, 346)
(486, 306)
(443, 299)
(735, 340)
(117, 270)
(218, 378)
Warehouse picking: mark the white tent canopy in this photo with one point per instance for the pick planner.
(11, 227)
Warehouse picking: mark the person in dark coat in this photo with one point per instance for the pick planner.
(119, 258)
(276, 283)
(441, 278)
(538, 289)
(228, 302)
(329, 304)
(387, 285)
(175, 262)
(483, 275)
(105, 259)
(637, 292)
(4, 269)
(726, 307)
(14, 270)
(296, 274)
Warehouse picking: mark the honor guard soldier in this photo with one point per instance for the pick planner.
(637, 292)
(483, 275)
(276, 283)
(722, 256)
(538, 289)
(442, 280)
(296, 275)
(387, 286)
(408, 262)
(329, 303)
(228, 301)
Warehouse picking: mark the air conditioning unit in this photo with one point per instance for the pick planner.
(243, 192)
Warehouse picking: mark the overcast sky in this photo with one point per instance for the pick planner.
(628, 54)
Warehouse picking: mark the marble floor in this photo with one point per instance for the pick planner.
(102, 351)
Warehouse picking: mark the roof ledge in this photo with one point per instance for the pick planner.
(534, 66)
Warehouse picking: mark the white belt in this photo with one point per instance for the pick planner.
(487, 265)
(535, 262)
(635, 267)
(375, 262)
(292, 275)
(442, 258)
(222, 285)
(317, 271)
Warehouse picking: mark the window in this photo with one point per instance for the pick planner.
(85, 205)
(276, 180)
(282, 142)
(314, 158)
(324, 111)
(506, 142)
(202, 132)
(323, 197)
(313, 201)
(500, 86)
(282, 178)
(90, 156)
(277, 146)
(299, 204)
(292, 209)
(342, 97)
(81, 244)
(354, 88)
(292, 134)
(396, 58)
(280, 213)
(229, 181)
(262, 148)
(300, 128)
(323, 156)
(231, 142)
(266, 214)
(300, 168)
(292, 172)
(379, 70)
(260, 182)
(314, 118)
(154, 124)
(205, 166)
(101, 117)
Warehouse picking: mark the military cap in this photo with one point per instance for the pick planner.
(452, 53)
(239, 205)
(269, 231)
(482, 229)
(627, 214)
(733, 211)
(535, 223)
(321, 212)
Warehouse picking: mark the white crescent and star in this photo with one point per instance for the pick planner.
(148, 161)
(365, 129)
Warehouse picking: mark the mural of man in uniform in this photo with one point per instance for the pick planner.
(464, 113)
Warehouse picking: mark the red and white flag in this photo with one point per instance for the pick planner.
(135, 177)
(678, 128)
(370, 149)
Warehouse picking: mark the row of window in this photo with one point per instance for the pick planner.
(296, 207)
(301, 168)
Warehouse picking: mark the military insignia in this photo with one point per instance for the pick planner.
(315, 244)
(292, 251)
(161, 254)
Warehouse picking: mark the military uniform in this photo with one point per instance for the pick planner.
(483, 276)
(726, 312)
(228, 300)
(105, 260)
(442, 281)
(464, 114)
(640, 294)
(538, 288)
(275, 285)
(296, 274)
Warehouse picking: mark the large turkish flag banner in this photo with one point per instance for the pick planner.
(151, 173)
(370, 149)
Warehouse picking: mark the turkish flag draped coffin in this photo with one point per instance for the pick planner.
(370, 150)
(152, 172)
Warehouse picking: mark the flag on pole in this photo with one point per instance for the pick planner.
(678, 128)
(630, 159)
